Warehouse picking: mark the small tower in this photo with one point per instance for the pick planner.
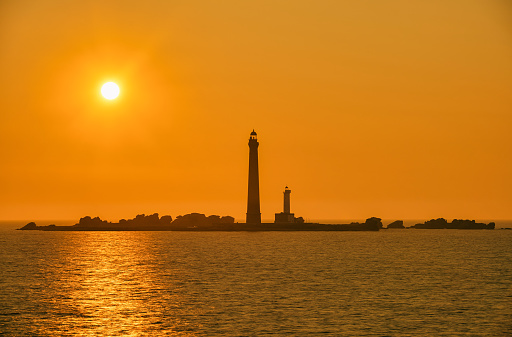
(253, 197)
(287, 192)
(285, 216)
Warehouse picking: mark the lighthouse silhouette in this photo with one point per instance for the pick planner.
(253, 197)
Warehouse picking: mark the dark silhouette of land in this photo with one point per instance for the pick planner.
(397, 224)
(284, 221)
(441, 223)
(200, 222)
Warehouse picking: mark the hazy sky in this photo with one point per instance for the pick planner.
(396, 109)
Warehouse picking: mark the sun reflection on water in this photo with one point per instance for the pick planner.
(114, 284)
(398, 283)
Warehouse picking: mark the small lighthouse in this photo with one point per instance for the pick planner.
(253, 197)
(285, 216)
(287, 192)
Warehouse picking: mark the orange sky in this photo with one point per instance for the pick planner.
(397, 109)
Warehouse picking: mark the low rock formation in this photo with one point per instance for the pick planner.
(455, 224)
(374, 222)
(396, 224)
(143, 222)
(29, 226)
(198, 220)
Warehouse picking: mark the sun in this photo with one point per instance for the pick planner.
(110, 90)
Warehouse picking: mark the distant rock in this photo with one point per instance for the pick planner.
(87, 221)
(201, 221)
(396, 224)
(227, 219)
(470, 224)
(455, 224)
(374, 222)
(191, 220)
(439, 223)
(166, 220)
(142, 222)
(29, 226)
(371, 224)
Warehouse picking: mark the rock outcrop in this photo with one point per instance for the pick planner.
(455, 224)
(396, 224)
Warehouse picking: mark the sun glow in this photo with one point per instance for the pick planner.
(110, 90)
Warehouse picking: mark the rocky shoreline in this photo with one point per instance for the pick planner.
(200, 222)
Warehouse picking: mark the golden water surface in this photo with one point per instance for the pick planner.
(389, 283)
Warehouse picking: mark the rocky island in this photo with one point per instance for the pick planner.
(200, 222)
(396, 224)
(441, 223)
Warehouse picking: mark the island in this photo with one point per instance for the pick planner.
(398, 224)
(201, 222)
(441, 223)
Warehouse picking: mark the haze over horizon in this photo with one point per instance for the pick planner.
(396, 109)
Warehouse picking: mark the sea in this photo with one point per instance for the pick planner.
(388, 283)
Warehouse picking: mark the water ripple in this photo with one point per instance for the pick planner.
(390, 283)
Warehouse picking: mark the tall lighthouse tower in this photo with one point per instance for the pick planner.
(253, 198)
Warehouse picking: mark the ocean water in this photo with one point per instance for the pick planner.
(387, 283)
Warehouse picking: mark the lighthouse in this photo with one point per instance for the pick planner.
(286, 207)
(285, 216)
(253, 197)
